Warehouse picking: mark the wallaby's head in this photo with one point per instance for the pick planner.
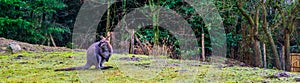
(102, 38)
(105, 48)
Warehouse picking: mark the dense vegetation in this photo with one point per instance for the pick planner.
(38, 21)
(248, 25)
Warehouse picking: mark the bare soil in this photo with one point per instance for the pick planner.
(4, 43)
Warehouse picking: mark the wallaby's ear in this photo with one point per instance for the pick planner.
(108, 37)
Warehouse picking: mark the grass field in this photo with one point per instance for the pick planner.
(39, 67)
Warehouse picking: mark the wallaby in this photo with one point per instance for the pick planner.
(97, 54)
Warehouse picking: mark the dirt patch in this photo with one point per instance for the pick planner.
(133, 58)
(280, 74)
(4, 43)
(232, 62)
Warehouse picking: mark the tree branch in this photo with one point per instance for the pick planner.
(292, 17)
(257, 16)
(239, 6)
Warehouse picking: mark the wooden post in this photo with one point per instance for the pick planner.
(283, 58)
(131, 46)
(203, 48)
(265, 55)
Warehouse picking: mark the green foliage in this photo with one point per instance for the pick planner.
(147, 34)
(70, 45)
(29, 21)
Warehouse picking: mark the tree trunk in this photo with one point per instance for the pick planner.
(52, 40)
(288, 29)
(238, 31)
(275, 52)
(265, 55)
(203, 48)
(283, 58)
(274, 49)
(257, 54)
(287, 52)
(270, 38)
(254, 22)
(131, 46)
(256, 59)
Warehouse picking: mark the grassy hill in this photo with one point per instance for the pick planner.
(40, 66)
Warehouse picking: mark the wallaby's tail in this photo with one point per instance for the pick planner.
(86, 66)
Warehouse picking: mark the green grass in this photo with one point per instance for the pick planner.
(39, 67)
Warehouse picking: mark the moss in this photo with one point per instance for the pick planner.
(39, 67)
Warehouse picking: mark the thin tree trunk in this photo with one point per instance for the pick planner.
(52, 40)
(238, 31)
(288, 29)
(265, 56)
(270, 38)
(203, 48)
(131, 46)
(257, 49)
(257, 61)
(283, 58)
(287, 52)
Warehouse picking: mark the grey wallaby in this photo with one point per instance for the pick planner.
(97, 54)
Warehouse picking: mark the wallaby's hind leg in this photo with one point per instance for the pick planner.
(100, 65)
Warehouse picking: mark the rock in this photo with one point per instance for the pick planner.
(71, 56)
(2, 50)
(220, 66)
(281, 74)
(4, 46)
(195, 64)
(79, 50)
(133, 58)
(255, 68)
(297, 79)
(180, 70)
(19, 57)
(242, 64)
(264, 82)
(14, 47)
(23, 62)
(173, 65)
(230, 65)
